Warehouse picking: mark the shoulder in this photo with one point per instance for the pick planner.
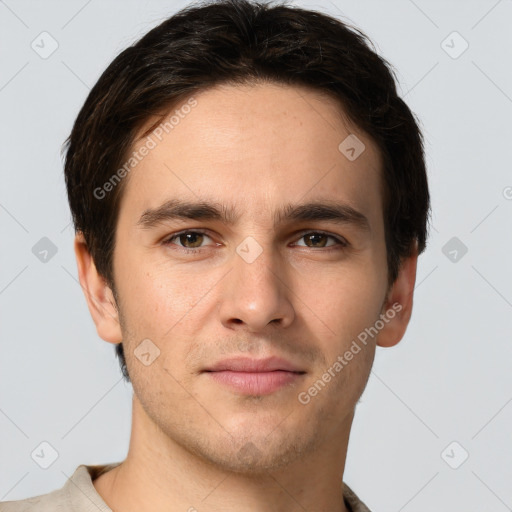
(78, 494)
(53, 501)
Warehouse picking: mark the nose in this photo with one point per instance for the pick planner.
(256, 293)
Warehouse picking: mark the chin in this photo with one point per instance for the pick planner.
(257, 451)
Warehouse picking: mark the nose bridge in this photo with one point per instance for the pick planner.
(257, 263)
(256, 291)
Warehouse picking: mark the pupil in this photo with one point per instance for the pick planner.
(187, 239)
(316, 237)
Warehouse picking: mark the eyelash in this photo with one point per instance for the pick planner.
(340, 241)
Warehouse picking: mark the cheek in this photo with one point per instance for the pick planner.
(155, 306)
(150, 284)
(164, 304)
(348, 307)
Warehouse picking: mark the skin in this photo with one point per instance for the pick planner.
(195, 442)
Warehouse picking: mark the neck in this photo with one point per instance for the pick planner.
(160, 475)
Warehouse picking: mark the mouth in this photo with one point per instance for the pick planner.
(255, 376)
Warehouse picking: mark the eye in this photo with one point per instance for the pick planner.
(192, 241)
(319, 239)
(187, 239)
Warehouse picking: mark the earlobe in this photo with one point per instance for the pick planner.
(398, 304)
(99, 296)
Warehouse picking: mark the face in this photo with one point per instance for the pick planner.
(247, 303)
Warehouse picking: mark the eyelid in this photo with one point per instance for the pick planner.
(167, 240)
(341, 241)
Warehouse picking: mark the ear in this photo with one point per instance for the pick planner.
(98, 294)
(399, 300)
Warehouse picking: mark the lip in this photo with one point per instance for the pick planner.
(247, 364)
(255, 376)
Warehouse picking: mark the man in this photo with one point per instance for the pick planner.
(250, 198)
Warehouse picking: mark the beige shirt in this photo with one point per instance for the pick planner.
(79, 495)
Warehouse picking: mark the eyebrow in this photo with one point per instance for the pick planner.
(177, 209)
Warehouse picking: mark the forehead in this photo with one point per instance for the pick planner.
(255, 147)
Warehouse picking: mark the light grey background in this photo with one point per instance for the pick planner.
(450, 377)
